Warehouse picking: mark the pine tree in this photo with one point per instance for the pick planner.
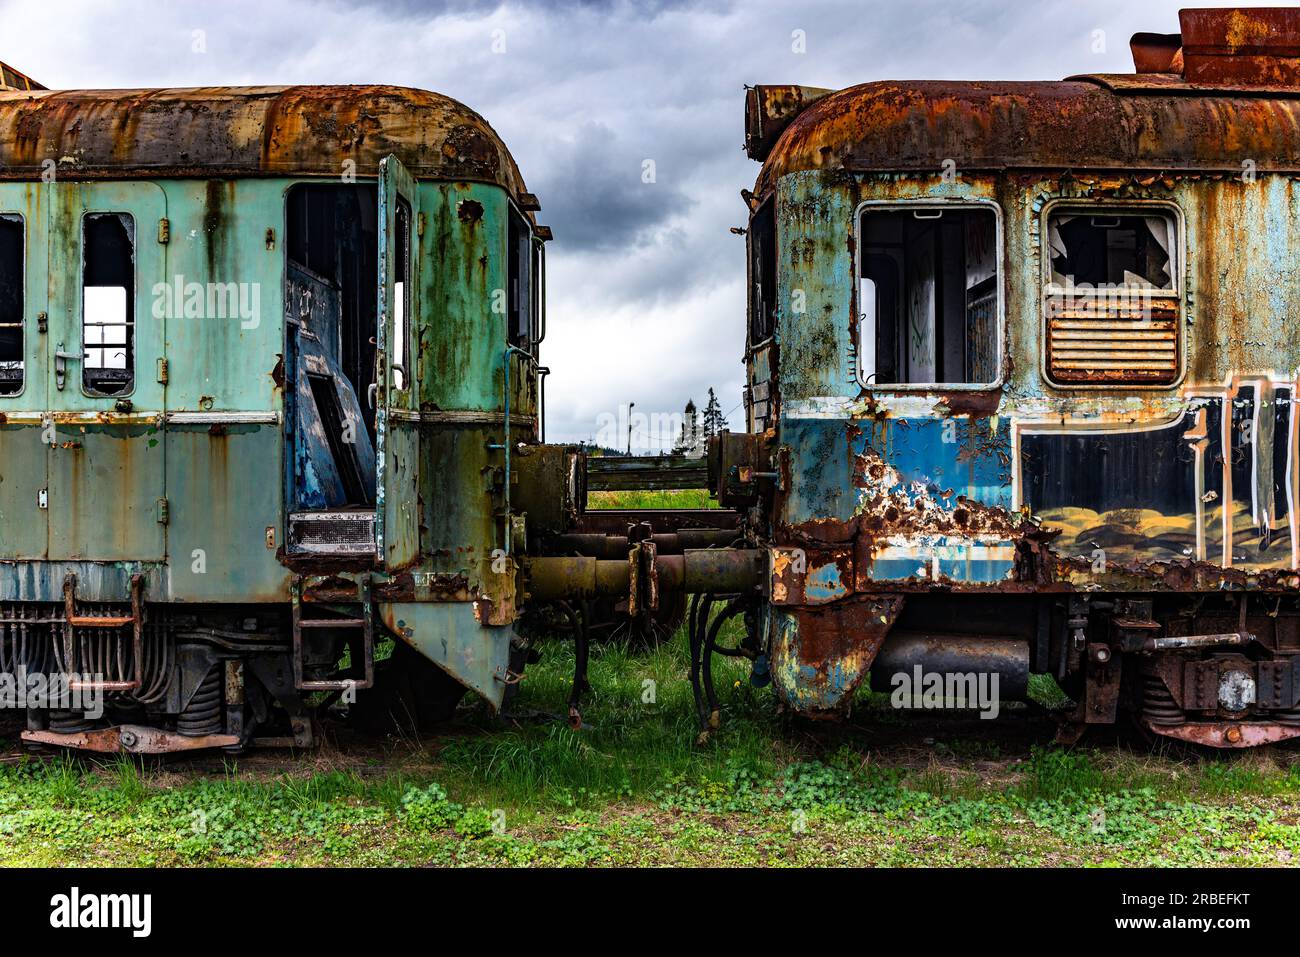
(714, 420)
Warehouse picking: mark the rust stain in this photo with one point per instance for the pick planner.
(215, 132)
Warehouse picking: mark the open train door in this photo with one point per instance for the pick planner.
(397, 429)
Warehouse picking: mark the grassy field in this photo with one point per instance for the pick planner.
(678, 498)
(634, 788)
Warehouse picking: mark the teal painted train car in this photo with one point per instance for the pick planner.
(1022, 369)
(269, 392)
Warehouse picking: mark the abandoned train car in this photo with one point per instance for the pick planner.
(269, 379)
(1021, 383)
(1022, 367)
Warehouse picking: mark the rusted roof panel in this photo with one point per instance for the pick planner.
(1248, 45)
(1157, 52)
(1081, 124)
(770, 109)
(248, 131)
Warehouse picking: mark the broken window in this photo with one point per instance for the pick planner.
(1112, 301)
(11, 304)
(762, 275)
(108, 303)
(402, 297)
(521, 328)
(928, 296)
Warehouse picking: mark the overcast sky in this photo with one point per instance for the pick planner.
(646, 283)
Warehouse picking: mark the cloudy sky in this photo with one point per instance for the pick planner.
(646, 297)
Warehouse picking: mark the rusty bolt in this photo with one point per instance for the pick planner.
(1233, 734)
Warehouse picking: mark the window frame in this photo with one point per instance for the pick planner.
(999, 240)
(1178, 274)
(530, 318)
(538, 319)
(765, 208)
(22, 322)
(132, 300)
(405, 271)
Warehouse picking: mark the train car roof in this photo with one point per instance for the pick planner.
(1223, 92)
(1085, 123)
(249, 131)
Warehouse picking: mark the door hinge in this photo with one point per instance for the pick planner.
(164, 230)
(419, 224)
(164, 511)
(43, 498)
(162, 369)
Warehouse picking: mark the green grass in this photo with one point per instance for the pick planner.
(676, 498)
(633, 787)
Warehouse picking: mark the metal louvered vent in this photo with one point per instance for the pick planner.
(1101, 342)
(332, 533)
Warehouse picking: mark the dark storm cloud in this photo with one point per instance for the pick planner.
(597, 196)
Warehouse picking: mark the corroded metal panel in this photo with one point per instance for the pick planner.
(820, 655)
(106, 485)
(248, 131)
(223, 531)
(466, 278)
(463, 380)
(23, 482)
(450, 635)
(220, 301)
(1080, 125)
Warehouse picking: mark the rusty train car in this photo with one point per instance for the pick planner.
(1020, 393)
(269, 393)
(1021, 383)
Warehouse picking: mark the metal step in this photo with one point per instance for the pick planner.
(135, 620)
(365, 623)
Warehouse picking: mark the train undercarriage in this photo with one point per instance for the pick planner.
(1207, 669)
(1213, 669)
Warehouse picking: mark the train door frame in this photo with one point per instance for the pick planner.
(24, 456)
(107, 451)
(397, 419)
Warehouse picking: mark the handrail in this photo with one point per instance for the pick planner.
(505, 370)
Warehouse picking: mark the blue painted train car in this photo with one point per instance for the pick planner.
(1021, 364)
